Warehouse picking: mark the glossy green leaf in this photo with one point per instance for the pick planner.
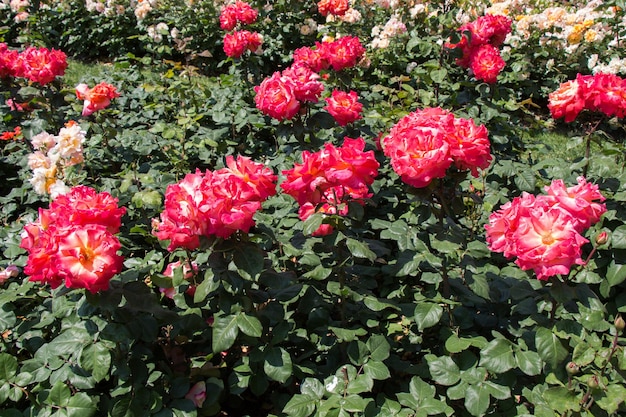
(225, 331)
(427, 315)
(277, 364)
(549, 347)
(249, 325)
(497, 356)
(443, 370)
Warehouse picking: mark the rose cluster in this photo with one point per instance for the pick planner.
(96, 98)
(238, 41)
(480, 49)
(11, 134)
(40, 65)
(425, 143)
(600, 92)
(337, 54)
(283, 93)
(327, 180)
(53, 154)
(544, 232)
(73, 241)
(215, 203)
(333, 7)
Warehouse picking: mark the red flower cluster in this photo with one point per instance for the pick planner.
(238, 12)
(329, 179)
(216, 203)
(237, 42)
(604, 93)
(425, 143)
(17, 131)
(341, 53)
(74, 241)
(544, 232)
(480, 48)
(333, 7)
(281, 95)
(344, 107)
(39, 65)
(96, 98)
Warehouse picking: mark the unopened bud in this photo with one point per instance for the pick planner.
(602, 238)
(620, 323)
(593, 382)
(572, 368)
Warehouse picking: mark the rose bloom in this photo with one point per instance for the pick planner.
(96, 98)
(73, 241)
(606, 93)
(10, 271)
(42, 65)
(84, 205)
(239, 11)
(343, 53)
(469, 145)
(235, 44)
(87, 257)
(276, 97)
(547, 242)
(328, 179)
(333, 7)
(418, 147)
(583, 201)
(567, 101)
(486, 63)
(8, 60)
(314, 58)
(344, 107)
(307, 88)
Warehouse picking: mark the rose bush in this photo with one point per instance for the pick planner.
(215, 243)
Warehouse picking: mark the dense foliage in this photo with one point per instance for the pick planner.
(237, 244)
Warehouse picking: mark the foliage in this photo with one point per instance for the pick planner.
(401, 311)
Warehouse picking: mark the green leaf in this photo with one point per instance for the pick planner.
(497, 356)
(225, 331)
(362, 383)
(614, 395)
(529, 362)
(312, 223)
(525, 180)
(379, 347)
(354, 403)
(562, 399)
(443, 370)
(357, 352)
(8, 366)
(476, 400)
(249, 260)
(249, 325)
(300, 406)
(427, 315)
(96, 358)
(59, 395)
(438, 75)
(618, 237)
(615, 274)
(376, 370)
(208, 285)
(81, 405)
(312, 388)
(278, 365)
(549, 347)
(454, 344)
(359, 249)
